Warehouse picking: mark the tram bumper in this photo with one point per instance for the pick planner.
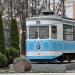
(43, 55)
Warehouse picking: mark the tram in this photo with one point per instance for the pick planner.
(50, 38)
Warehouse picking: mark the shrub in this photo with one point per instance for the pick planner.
(11, 53)
(3, 60)
(14, 35)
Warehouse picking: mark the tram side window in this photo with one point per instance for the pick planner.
(54, 32)
(33, 32)
(68, 32)
(43, 32)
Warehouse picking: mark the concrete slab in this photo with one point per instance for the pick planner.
(70, 66)
(70, 71)
(48, 68)
(53, 68)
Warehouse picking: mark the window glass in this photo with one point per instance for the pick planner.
(40, 31)
(54, 32)
(68, 32)
(33, 32)
(43, 32)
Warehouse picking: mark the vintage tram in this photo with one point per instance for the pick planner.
(50, 38)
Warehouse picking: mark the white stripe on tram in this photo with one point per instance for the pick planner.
(44, 53)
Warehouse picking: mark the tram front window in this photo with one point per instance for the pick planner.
(33, 32)
(43, 32)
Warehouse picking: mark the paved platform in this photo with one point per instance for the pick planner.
(53, 68)
(48, 68)
(70, 71)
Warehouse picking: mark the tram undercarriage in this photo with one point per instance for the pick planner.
(66, 56)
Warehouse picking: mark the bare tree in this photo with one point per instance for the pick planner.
(21, 9)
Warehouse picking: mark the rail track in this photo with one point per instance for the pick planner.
(56, 62)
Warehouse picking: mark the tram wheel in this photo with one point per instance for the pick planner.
(39, 62)
(68, 58)
(61, 59)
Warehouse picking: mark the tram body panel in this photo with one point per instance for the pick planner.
(48, 49)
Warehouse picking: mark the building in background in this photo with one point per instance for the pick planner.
(70, 8)
(67, 9)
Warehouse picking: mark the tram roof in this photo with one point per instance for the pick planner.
(51, 17)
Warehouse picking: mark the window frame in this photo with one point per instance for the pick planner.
(70, 32)
(52, 37)
(38, 29)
